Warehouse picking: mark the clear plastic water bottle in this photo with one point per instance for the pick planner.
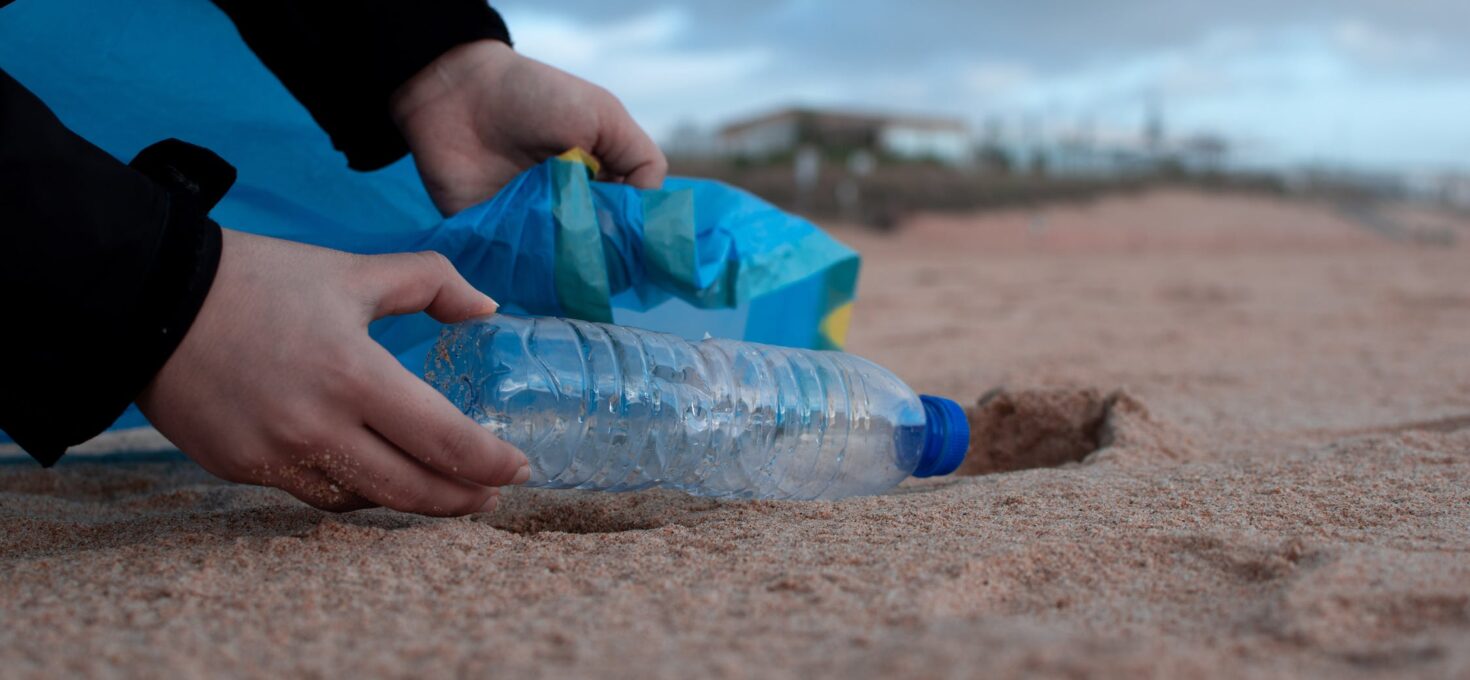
(598, 406)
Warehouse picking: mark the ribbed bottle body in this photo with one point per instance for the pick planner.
(598, 406)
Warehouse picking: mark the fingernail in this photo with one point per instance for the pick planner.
(523, 474)
(493, 304)
(490, 504)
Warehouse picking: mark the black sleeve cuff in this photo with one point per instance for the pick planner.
(172, 295)
(343, 59)
(84, 369)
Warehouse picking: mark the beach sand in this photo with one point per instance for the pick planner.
(1220, 435)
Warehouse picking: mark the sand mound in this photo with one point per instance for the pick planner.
(1018, 430)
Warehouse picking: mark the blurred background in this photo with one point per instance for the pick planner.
(871, 111)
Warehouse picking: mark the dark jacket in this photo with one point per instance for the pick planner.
(89, 243)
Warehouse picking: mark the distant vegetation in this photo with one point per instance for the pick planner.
(876, 168)
(885, 194)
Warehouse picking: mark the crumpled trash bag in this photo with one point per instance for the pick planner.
(696, 257)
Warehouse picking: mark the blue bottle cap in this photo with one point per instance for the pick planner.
(946, 437)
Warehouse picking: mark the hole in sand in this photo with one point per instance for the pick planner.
(1022, 429)
(570, 520)
(534, 511)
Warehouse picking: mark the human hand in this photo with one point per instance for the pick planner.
(481, 113)
(277, 383)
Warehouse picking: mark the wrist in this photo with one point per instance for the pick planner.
(481, 62)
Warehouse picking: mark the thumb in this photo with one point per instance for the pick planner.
(403, 283)
(627, 151)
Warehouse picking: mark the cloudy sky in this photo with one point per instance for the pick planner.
(1379, 84)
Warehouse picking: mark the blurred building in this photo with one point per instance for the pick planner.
(1203, 153)
(910, 137)
(689, 140)
(1089, 152)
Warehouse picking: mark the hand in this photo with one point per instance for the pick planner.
(482, 113)
(277, 383)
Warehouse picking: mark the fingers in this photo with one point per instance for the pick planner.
(626, 151)
(374, 469)
(419, 420)
(404, 283)
(416, 452)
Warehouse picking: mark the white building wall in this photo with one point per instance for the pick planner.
(767, 138)
(949, 146)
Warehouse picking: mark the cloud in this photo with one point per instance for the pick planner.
(1302, 80)
(1043, 34)
(1377, 46)
(636, 57)
(991, 78)
(572, 43)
